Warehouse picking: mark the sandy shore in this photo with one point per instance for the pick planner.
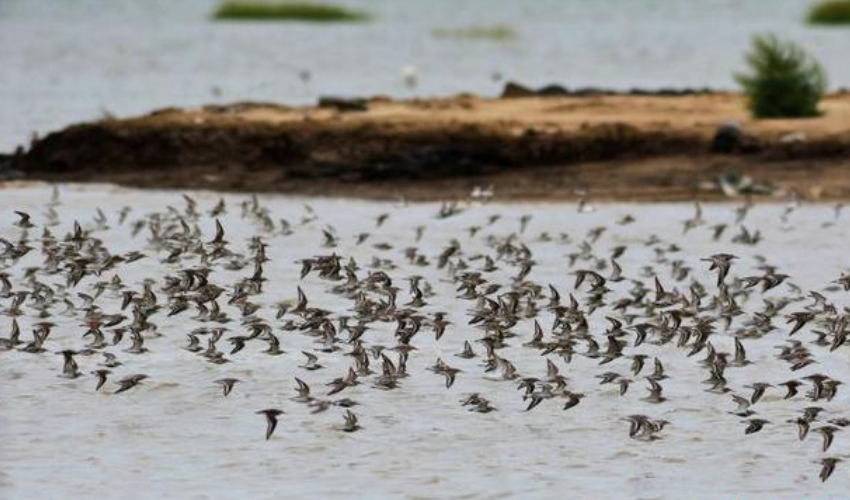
(623, 147)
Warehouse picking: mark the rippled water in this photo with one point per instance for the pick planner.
(68, 61)
(175, 436)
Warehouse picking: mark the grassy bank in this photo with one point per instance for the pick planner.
(831, 12)
(287, 11)
(496, 32)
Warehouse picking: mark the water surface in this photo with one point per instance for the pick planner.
(68, 61)
(177, 437)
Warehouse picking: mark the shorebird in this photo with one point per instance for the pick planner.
(271, 415)
(720, 262)
(655, 391)
(110, 360)
(312, 362)
(303, 391)
(23, 220)
(127, 383)
(14, 339)
(351, 424)
(827, 467)
(644, 428)
(388, 299)
(827, 432)
(441, 368)
(70, 369)
(573, 399)
(754, 425)
(226, 385)
(101, 375)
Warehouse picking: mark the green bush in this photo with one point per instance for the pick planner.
(286, 11)
(784, 82)
(831, 12)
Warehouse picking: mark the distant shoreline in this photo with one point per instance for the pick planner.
(543, 145)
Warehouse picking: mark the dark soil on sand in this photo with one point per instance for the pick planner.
(638, 146)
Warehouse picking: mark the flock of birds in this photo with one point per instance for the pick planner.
(610, 315)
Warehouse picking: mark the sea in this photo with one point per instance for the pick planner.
(66, 61)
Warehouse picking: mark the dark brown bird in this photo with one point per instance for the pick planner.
(127, 383)
(721, 262)
(101, 375)
(351, 424)
(271, 415)
(754, 425)
(827, 467)
(226, 385)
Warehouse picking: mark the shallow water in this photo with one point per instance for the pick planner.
(68, 61)
(175, 436)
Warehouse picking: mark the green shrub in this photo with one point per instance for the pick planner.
(784, 82)
(831, 12)
(286, 11)
(496, 32)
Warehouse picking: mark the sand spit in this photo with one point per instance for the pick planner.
(617, 146)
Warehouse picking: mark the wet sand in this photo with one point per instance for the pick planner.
(618, 147)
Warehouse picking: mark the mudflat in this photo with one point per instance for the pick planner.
(612, 146)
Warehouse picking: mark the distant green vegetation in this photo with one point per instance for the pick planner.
(831, 12)
(287, 11)
(784, 81)
(496, 32)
